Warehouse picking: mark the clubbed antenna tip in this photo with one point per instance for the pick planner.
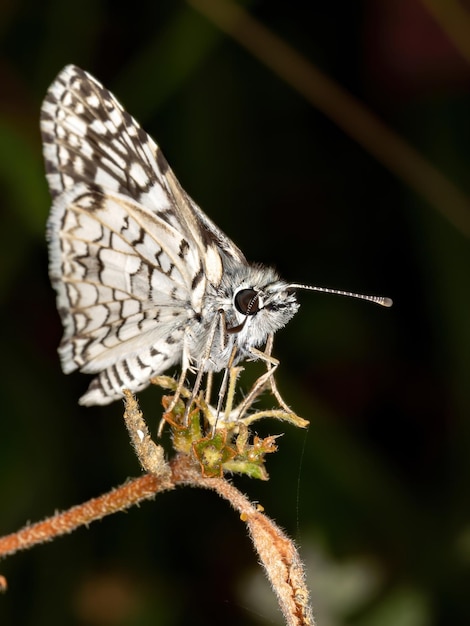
(383, 301)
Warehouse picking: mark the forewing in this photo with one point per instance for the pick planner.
(88, 137)
(130, 252)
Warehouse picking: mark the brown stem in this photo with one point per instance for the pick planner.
(183, 472)
(119, 499)
(277, 552)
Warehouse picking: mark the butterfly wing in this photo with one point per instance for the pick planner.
(130, 252)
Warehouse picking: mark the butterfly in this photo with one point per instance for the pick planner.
(144, 279)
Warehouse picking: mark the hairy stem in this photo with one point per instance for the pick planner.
(119, 499)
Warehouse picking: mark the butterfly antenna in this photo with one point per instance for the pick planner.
(383, 301)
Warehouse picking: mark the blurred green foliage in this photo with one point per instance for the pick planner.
(377, 491)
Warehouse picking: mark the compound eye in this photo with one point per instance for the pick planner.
(247, 301)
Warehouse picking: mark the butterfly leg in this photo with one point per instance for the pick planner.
(208, 389)
(228, 376)
(218, 320)
(178, 389)
(176, 395)
(185, 368)
(272, 364)
(267, 378)
(258, 387)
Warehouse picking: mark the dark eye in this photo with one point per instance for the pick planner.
(247, 302)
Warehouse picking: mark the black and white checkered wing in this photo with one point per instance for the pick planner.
(131, 254)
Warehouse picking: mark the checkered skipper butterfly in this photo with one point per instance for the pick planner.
(144, 279)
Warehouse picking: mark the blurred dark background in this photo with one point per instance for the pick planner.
(376, 492)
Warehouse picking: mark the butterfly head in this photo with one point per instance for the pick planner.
(260, 305)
